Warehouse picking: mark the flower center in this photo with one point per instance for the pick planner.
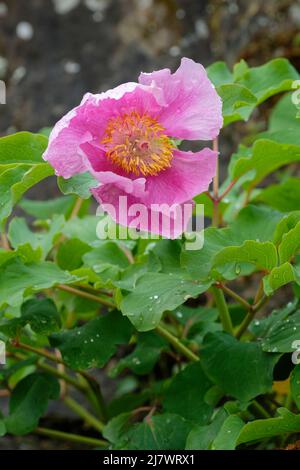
(137, 144)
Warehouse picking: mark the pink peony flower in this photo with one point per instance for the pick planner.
(123, 137)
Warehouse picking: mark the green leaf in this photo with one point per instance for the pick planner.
(2, 427)
(228, 434)
(47, 209)
(70, 253)
(283, 197)
(242, 370)
(40, 314)
(240, 69)
(154, 293)
(262, 255)
(18, 279)
(167, 254)
(128, 402)
(245, 88)
(261, 327)
(161, 432)
(265, 157)
(10, 370)
(219, 73)
(20, 234)
(15, 181)
(29, 401)
(238, 102)
(116, 427)
(280, 276)
(80, 185)
(84, 229)
(252, 223)
(202, 437)
(5, 255)
(259, 429)
(21, 167)
(287, 223)
(282, 334)
(144, 357)
(22, 147)
(290, 244)
(197, 321)
(295, 385)
(92, 344)
(283, 115)
(106, 255)
(186, 395)
(108, 261)
(269, 79)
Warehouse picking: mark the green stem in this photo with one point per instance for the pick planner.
(245, 323)
(76, 208)
(4, 241)
(259, 301)
(234, 295)
(177, 344)
(85, 295)
(65, 436)
(95, 396)
(226, 191)
(40, 352)
(63, 376)
(54, 371)
(215, 218)
(260, 410)
(84, 414)
(223, 309)
(96, 399)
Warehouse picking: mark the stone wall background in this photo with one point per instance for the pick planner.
(53, 51)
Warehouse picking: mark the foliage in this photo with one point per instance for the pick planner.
(200, 342)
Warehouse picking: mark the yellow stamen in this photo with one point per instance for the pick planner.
(137, 143)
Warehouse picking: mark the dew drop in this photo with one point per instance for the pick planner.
(237, 269)
(136, 361)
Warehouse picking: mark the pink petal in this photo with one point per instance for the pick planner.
(194, 109)
(87, 123)
(105, 172)
(168, 194)
(189, 175)
(126, 210)
(63, 151)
